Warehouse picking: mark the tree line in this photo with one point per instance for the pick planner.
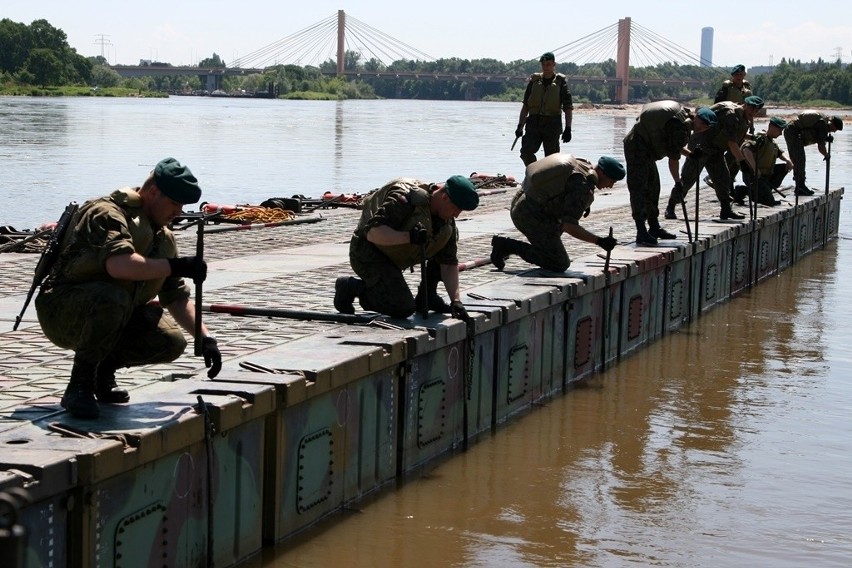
(38, 54)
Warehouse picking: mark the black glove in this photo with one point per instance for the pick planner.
(459, 312)
(607, 243)
(519, 131)
(696, 153)
(829, 138)
(189, 267)
(566, 134)
(678, 187)
(745, 168)
(418, 235)
(212, 356)
(587, 211)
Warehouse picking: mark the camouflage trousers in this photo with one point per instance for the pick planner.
(544, 234)
(714, 162)
(98, 319)
(643, 182)
(385, 289)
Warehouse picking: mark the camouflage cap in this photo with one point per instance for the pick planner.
(176, 181)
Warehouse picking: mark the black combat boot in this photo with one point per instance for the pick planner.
(504, 247)
(643, 237)
(802, 189)
(739, 194)
(674, 200)
(728, 213)
(433, 277)
(656, 231)
(346, 289)
(499, 252)
(79, 398)
(106, 389)
(765, 197)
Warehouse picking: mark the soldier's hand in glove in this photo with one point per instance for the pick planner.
(212, 356)
(519, 131)
(566, 134)
(607, 243)
(459, 312)
(829, 138)
(587, 211)
(189, 267)
(418, 235)
(745, 167)
(678, 187)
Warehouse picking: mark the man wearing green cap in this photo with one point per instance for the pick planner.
(557, 191)
(708, 146)
(804, 129)
(546, 98)
(116, 257)
(763, 152)
(400, 223)
(735, 89)
(661, 130)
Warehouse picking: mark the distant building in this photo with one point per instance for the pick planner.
(706, 47)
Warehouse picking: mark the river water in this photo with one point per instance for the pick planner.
(727, 443)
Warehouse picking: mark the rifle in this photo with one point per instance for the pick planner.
(48, 256)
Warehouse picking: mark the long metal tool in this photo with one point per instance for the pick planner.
(825, 205)
(199, 253)
(515, 142)
(604, 308)
(236, 310)
(424, 283)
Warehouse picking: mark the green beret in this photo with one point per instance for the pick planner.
(754, 101)
(462, 193)
(778, 121)
(176, 181)
(738, 69)
(547, 57)
(837, 122)
(707, 115)
(612, 168)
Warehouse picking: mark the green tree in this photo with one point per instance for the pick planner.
(104, 76)
(214, 61)
(15, 44)
(44, 66)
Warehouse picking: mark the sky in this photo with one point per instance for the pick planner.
(185, 31)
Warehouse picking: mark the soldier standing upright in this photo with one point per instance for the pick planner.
(546, 98)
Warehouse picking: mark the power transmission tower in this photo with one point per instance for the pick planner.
(101, 39)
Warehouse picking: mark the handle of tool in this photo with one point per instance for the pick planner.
(424, 278)
(199, 253)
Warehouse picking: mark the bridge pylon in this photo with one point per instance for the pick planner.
(622, 62)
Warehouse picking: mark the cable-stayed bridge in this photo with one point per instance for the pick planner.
(344, 46)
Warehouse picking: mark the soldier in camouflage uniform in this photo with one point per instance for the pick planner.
(764, 153)
(661, 130)
(809, 127)
(557, 191)
(708, 145)
(117, 256)
(546, 98)
(399, 222)
(735, 89)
